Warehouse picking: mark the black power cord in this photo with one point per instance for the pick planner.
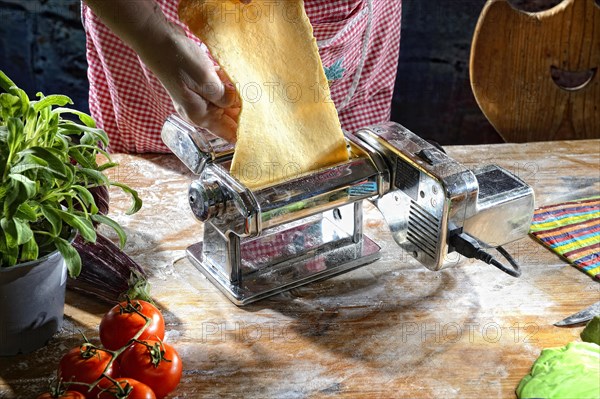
(468, 246)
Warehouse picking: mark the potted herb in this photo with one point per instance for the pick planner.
(49, 169)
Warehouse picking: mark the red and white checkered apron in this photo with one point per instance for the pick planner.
(358, 43)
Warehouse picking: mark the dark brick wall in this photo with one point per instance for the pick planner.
(42, 47)
(433, 95)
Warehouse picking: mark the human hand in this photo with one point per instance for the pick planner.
(200, 92)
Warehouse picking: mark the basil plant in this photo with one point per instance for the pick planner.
(49, 169)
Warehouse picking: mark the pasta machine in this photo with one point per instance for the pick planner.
(257, 243)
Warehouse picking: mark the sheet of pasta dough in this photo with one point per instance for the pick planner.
(288, 123)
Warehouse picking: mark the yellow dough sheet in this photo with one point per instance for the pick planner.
(288, 124)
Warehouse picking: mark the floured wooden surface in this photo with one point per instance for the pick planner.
(389, 329)
(288, 124)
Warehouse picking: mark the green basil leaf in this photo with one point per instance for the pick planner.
(22, 167)
(17, 232)
(16, 195)
(10, 255)
(26, 212)
(24, 232)
(10, 233)
(52, 129)
(92, 137)
(32, 162)
(71, 256)
(99, 135)
(137, 202)
(5, 82)
(51, 100)
(27, 158)
(114, 225)
(80, 158)
(71, 170)
(70, 127)
(24, 100)
(9, 106)
(28, 184)
(52, 215)
(29, 250)
(96, 177)
(93, 149)
(15, 134)
(86, 196)
(9, 101)
(83, 117)
(61, 142)
(30, 122)
(3, 190)
(83, 225)
(50, 156)
(43, 114)
(108, 165)
(3, 134)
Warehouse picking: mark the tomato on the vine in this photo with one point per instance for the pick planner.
(121, 323)
(85, 364)
(154, 363)
(64, 395)
(128, 389)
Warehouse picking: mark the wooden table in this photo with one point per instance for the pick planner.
(390, 329)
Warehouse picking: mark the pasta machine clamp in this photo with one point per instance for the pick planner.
(258, 243)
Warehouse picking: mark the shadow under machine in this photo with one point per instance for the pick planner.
(261, 242)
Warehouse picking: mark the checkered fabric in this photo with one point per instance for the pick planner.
(358, 42)
(282, 246)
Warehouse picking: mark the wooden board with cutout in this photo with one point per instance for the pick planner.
(536, 75)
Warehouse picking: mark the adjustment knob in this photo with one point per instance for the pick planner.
(207, 199)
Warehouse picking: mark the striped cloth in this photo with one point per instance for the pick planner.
(572, 230)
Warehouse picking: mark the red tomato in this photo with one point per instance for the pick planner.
(138, 390)
(121, 323)
(158, 366)
(85, 364)
(65, 395)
